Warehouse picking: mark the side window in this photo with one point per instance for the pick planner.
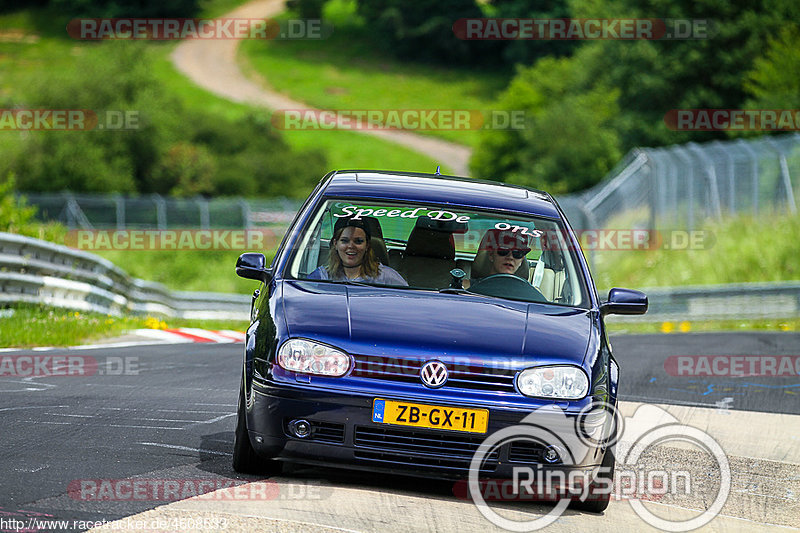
(311, 254)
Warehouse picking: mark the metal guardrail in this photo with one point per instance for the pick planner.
(729, 301)
(40, 272)
(35, 271)
(153, 211)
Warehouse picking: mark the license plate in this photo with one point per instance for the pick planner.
(430, 416)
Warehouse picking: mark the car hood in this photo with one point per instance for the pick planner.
(374, 320)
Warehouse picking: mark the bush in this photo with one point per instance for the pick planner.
(18, 217)
(171, 151)
(307, 9)
(569, 141)
(185, 170)
(13, 213)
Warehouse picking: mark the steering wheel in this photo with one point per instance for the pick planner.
(507, 286)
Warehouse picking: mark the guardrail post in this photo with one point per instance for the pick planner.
(754, 169)
(161, 211)
(119, 202)
(202, 206)
(246, 222)
(712, 180)
(689, 186)
(786, 179)
(672, 187)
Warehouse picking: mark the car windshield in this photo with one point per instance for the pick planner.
(419, 246)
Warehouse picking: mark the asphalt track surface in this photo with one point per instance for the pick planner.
(171, 416)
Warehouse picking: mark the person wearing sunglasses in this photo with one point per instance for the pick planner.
(500, 252)
(507, 250)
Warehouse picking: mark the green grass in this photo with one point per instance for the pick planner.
(342, 149)
(29, 326)
(346, 71)
(49, 51)
(738, 250)
(186, 270)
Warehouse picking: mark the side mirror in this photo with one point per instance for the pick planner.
(253, 266)
(624, 302)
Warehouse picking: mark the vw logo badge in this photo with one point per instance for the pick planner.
(433, 374)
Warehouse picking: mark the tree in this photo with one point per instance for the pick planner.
(171, 150)
(526, 52)
(647, 79)
(568, 139)
(127, 8)
(423, 29)
(774, 82)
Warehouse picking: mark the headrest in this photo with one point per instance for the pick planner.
(431, 243)
(446, 226)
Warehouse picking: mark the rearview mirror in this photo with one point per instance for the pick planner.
(253, 266)
(624, 302)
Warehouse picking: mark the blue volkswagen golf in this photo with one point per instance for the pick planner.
(406, 317)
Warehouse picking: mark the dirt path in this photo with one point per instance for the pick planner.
(212, 65)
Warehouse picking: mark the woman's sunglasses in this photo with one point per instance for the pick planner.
(516, 254)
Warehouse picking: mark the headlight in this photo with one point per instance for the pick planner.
(558, 382)
(309, 357)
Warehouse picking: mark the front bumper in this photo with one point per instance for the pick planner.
(344, 435)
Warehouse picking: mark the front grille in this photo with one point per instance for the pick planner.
(420, 448)
(321, 432)
(460, 375)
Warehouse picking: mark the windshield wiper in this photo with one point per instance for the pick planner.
(451, 290)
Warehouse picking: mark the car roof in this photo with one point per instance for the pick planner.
(434, 188)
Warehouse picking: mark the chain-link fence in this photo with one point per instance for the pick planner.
(675, 187)
(86, 211)
(678, 187)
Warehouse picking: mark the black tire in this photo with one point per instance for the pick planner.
(245, 459)
(599, 503)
